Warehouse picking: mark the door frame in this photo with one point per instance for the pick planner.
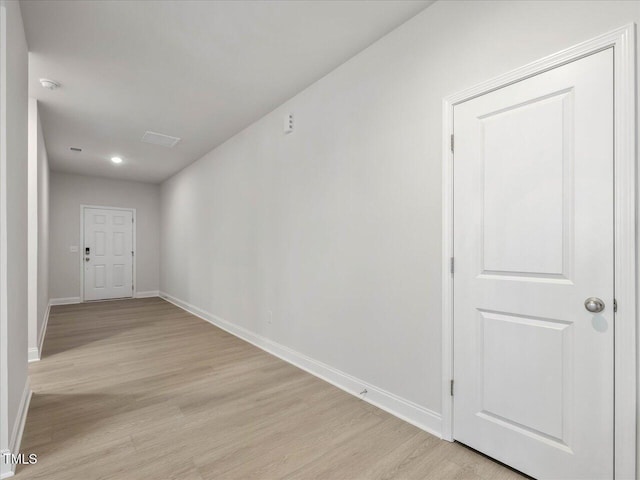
(623, 42)
(81, 247)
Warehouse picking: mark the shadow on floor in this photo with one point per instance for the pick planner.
(73, 326)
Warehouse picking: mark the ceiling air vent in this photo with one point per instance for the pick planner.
(160, 139)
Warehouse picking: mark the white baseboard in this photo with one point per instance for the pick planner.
(15, 440)
(64, 301)
(43, 329)
(150, 293)
(6, 470)
(74, 300)
(408, 411)
(21, 418)
(36, 352)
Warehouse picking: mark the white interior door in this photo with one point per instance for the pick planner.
(533, 239)
(108, 253)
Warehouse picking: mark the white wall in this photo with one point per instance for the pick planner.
(43, 232)
(68, 192)
(336, 228)
(38, 245)
(13, 223)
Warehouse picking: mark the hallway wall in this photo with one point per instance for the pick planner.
(38, 231)
(327, 241)
(14, 386)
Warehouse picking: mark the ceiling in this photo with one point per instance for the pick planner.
(197, 70)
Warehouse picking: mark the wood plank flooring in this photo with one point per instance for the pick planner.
(140, 389)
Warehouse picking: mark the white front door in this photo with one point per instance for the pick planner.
(533, 239)
(108, 253)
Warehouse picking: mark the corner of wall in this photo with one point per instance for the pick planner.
(32, 222)
(35, 353)
(7, 467)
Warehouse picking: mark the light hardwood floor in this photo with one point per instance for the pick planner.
(140, 389)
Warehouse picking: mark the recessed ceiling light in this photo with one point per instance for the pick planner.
(116, 159)
(49, 84)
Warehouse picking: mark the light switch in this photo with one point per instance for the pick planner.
(73, 249)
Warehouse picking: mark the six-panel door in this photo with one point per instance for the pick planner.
(108, 253)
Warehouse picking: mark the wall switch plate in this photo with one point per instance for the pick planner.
(73, 249)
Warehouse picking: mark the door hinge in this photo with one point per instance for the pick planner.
(615, 305)
(132, 253)
(451, 388)
(451, 143)
(451, 265)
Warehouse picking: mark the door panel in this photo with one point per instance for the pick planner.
(519, 216)
(108, 267)
(525, 372)
(99, 248)
(99, 273)
(118, 244)
(533, 238)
